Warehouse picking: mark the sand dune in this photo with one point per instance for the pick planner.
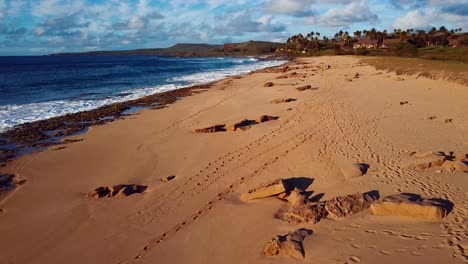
(351, 130)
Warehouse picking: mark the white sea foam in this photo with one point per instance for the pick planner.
(206, 77)
(12, 115)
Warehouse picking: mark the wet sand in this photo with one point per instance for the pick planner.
(191, 211)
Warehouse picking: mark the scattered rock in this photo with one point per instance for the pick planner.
(211, 129)
(169, 178)
(403, 102)
(266, 118)
(306, 87)
(455, 166)
(354, 170)
(426, 162)
(274, 188)
(293, 74)
(423, 154)
(288, 245)
(448, 120)
(342, 206)
(460, 156)
(431, 117)
(356, 76)
(283, 100)
(122, 190)
(282, 77)
(296, 197)
(240, 125)
(306, 212)
(268, 84)
(412, 205)
(282, 196)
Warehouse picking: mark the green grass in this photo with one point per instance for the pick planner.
(454, 71)
(444, 53)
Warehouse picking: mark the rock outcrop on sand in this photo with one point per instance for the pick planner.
(168, 178)
(290, 244)
(342, 206)
(211, 129)
(412, 205)
(455, 165)
(306, 87)
(266, 118)
(449, 161)
(425, 160)
(353, 170)
(242, 125)
(122, 190)
(283, 100)
(305, 211)
(271, 189)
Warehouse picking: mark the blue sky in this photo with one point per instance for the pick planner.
(34, 27)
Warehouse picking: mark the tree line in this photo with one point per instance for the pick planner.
(419, 38)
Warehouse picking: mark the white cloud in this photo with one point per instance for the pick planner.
(290, 7)
(3, 9)
(355, 12)
(56, 7)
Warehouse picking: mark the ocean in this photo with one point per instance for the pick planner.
(37, 88)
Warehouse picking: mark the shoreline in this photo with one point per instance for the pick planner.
(38, 135)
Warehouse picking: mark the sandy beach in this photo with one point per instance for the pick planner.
(192, 211)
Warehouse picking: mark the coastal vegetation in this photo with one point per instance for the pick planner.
(435, 44)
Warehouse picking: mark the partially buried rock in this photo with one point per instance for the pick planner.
(342, 206)
(411, 205)
(211, 129)
(455, 166)
(283, 100)
(246, 123)
(353, 170)
(306, 212)
(296, 197)
(288, 245)
(306, 87)
(460, 156)
(266, 118)
(426, 162)
(268, 84)
(122, 190)
(168, 179)
(274, 188)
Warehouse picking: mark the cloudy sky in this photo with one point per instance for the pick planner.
(33, 27)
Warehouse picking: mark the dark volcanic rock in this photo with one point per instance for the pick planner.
(211, 129)
(122, 190)
(266, 118)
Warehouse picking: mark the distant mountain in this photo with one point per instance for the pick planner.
(191, 50)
